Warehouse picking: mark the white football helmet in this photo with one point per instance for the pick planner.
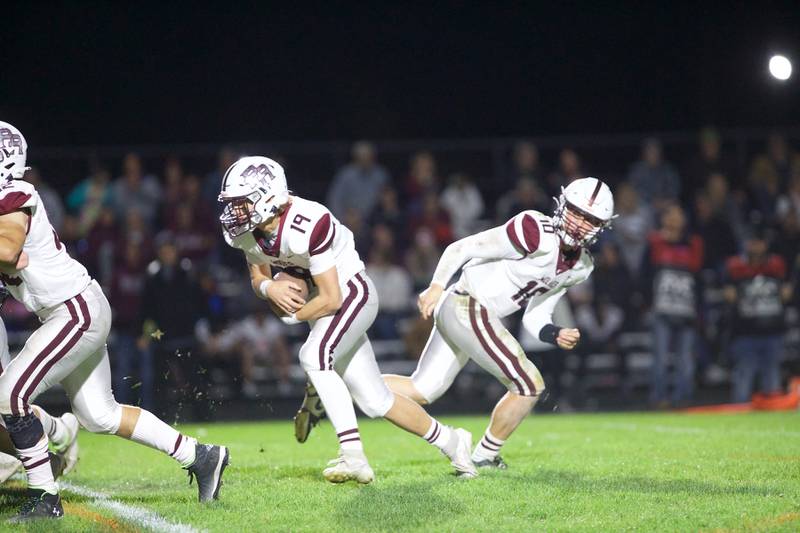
(13, 152)
(592, 206)
(253, 191)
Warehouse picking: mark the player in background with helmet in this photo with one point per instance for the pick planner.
(278, 231)
(68, 348)
(528, 263)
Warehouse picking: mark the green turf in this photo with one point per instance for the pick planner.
(644, 472)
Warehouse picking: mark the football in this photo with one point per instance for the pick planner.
(284, 276)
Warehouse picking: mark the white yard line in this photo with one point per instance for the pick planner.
(135, 515)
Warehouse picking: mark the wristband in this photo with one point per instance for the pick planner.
(549, 333)
(262, 288)
(290, 320)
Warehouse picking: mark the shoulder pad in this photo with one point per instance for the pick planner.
(308, 227)
(531, 231)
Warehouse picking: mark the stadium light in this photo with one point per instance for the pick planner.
(780, 67)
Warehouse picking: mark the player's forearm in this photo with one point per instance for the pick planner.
(10, 250)
(318, 307)
(452, 259)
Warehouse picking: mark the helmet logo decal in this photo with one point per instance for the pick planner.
(9, 139)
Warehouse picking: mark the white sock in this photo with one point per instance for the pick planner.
(36, 461)
(338, 406)
(152, 432)
(54, 427)
(438, 434)
(488, 448)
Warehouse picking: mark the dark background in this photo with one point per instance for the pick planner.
(81, 73)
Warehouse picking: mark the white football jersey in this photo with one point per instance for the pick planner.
(309, 241)
(536, 269)
(52, 276)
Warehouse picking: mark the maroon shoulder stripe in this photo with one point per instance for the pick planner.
(510, 356)
(512, 236)
(351, 295)
(13, 201)
(349, 321)
(87, 321)
(488, 349)
(530, 232)
(319, 241)
(16, 391)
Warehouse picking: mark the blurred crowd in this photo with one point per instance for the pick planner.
(701, 263)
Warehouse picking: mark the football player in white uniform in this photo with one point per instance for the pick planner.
(528, 263)
(277, 231)
(68, 348)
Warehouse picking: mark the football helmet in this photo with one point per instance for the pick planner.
(253, 191)
(13, 152)
(584, 209)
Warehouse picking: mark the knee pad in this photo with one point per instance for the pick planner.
(101, 419)
(376, 406)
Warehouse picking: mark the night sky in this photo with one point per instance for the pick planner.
(80, 73)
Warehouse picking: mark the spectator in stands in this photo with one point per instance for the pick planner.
(526, 195)
(790, 200)
(569, 168)
(172, 303)
(50, 198)
(656, 181)
(463, 202)
(136, 231)
(716, 221)
(258, 338)
(757, 290)
(632, 227)
(126, 300)
(675, 258)
(100, 246)
(136, 189)
(226, 156)
(389, 214)
(422, 258)
(525, 164)
(357, 185)
(788, 243)
(709, 160)
(172, 194)
(87, 199)
(422, 179)
(435, 219)
(394, 285)
(193, 197)
(190, 236)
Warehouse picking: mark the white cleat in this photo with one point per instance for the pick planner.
(461, 458)
(349, 466)
(70, 448)
(9, 465)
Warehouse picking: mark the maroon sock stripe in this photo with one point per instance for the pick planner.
(38, 463)
(87, 321)
(17, 406)
(489, 446)
(350, 440)
(351, 295)
(348, 432)
(436, 430)
(497, 359)
(177, 445)
(359, 306)
(509, 355)
(490, 441)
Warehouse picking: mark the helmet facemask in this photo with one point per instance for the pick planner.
(574, 226)
(239, 214)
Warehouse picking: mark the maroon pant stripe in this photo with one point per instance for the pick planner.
(87, 321)
(177, 445)
(335, 322)
(16, 391)
(349, 322)
(509, 355)
(488, 348)
(348, 432)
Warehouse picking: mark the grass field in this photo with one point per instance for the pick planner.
(645, 472)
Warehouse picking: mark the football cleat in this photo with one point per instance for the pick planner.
(309, 415)
(209, 464)
(349, 466)
(461, 455)
(70, 448)
(497, 463)
(40, 504)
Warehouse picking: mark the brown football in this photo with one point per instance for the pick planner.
(283, 276)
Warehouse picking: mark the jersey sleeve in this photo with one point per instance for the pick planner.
(539, 315)
(527, 232)
(490, 244)
(16, 195)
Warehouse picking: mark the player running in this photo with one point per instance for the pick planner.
(528, 263)
(280, 232)
(68, 348)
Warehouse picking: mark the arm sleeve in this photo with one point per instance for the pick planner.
(490, 244)
(540, 315)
